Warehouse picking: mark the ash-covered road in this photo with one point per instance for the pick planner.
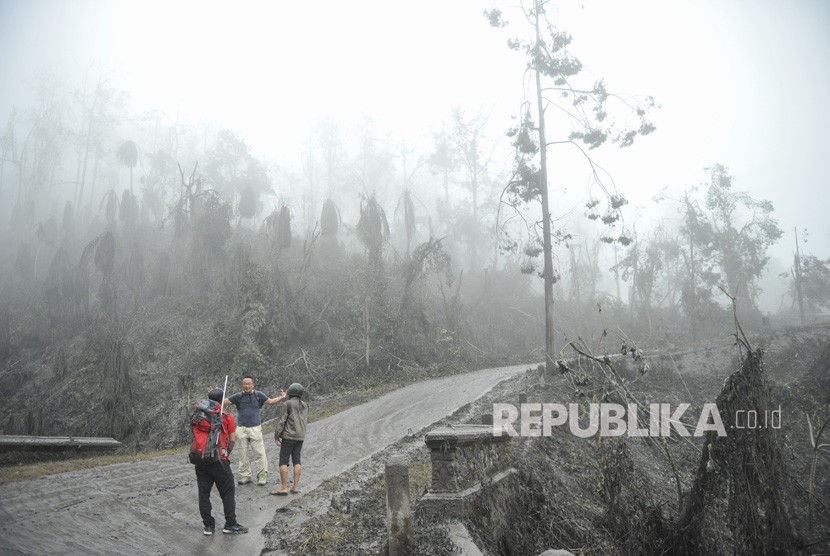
(151, 507)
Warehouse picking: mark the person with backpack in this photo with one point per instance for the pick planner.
(248, 403)
(289, 436)
(214, 436)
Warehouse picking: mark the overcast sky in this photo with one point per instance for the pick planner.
(742, 83)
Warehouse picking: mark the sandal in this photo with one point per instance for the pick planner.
(277, 492)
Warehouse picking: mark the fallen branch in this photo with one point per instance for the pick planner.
(481, 351)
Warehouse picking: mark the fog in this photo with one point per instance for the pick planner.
(743, 84)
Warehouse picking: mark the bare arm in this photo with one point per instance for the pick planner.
(225, 401)
(231, 442)
(278, 399)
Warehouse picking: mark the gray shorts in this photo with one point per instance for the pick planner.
(290, 449)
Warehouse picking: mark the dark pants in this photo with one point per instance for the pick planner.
(220, 474)
(290, 449)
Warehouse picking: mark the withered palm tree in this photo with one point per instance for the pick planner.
(127, 154)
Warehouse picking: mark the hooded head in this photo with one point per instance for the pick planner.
(216, 395)
(296, 389)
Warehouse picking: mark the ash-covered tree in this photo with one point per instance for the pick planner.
(584, 271)
(698, 273)
(109, 204)
(211, 230)
(249, 204)
(373, 231)
(697, 235)
(406, 210)
(723, 238)
(128, 212)
(160, 178)
(444, 161)
(238, 177)
(412, 321)
(251, 320)
(68, 224)
(742, 230)
(34, 143)
(127, 154)
(815, 282)
(468, 140)
(329, 247)
(278, 231)
(558, 88)
(59, 290)
(331, 153)
(278, 228)
(810, 280)
(134, 272)
(5, 326)
(100, 106)
(329, 219)
(374, 162)
(641, 267)
(46, 234)
(108, 341)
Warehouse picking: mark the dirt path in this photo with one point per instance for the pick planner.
(150, 507)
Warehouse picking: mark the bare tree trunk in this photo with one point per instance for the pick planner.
(617, 274)
(94, 179)
(5, 327)
(85, 158)
(692, 276)
(575, 296)
(90, 124)
(474, 187)
(78, 187)
(366, 329)
(447, 202)
(594, 260)
(798, 291)
(496, 246)
(546, 231)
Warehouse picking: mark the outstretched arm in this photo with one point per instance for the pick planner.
(278, 399)
(227, 398)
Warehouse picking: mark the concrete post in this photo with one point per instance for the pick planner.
(398, 514)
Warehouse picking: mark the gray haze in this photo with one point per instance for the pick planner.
(743, 84)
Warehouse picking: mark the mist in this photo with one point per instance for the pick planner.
(285, 80)
(588, 203)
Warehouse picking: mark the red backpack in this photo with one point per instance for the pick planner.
(206, 424)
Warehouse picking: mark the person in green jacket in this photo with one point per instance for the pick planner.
(290, 437)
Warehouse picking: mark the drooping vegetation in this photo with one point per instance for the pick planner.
(141, 259)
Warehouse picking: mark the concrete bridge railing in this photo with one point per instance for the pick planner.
(466, 461)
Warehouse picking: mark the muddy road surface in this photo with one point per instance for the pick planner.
(151, 507)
